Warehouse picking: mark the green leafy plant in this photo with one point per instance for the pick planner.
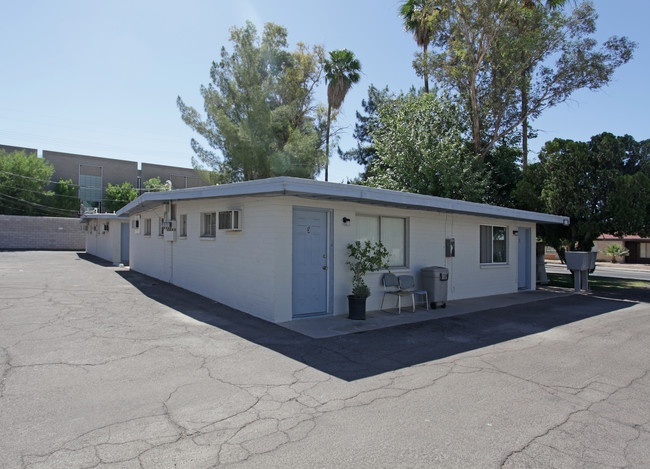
(614, 250)
(365, 257)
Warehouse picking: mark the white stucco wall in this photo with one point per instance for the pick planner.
(251, 270)
(105, 245)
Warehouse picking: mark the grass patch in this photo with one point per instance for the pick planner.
(597, 283)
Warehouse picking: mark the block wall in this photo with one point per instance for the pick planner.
(41, 233)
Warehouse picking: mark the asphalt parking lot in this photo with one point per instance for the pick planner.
(103, 367)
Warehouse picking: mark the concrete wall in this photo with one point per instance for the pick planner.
(251, 270)
(181, 178)
(105, 244)
(41, 233)
(11, 149)
(66, 166)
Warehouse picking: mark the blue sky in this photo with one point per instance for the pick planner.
(101, 78)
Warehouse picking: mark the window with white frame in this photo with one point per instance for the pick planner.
(183, 225)
(391, 231)
(494, 244)
(147, 226)
(208, 225)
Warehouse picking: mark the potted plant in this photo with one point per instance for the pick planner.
(363, 258)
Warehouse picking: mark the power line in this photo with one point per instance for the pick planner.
(141, 190)
(40, 206)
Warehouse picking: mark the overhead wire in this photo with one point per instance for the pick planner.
(40, 206)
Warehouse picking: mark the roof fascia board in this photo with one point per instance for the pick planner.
(347, 192)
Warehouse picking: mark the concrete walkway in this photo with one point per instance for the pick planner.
(332, 326)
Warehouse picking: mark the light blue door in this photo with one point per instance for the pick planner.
(309, 265)
(523, 258)
(124, 243)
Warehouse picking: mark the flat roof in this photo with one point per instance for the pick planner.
(309, 188)
(101, 216)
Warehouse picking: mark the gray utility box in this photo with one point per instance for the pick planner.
(435, 280)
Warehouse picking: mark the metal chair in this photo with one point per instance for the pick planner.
(407, 283)
(391, 287)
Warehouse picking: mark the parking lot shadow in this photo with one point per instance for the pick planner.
(361, 355)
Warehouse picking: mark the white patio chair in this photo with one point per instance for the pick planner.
(391, 287)
(407, 284)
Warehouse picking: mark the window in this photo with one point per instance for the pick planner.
(391, 231)
(147, 226)
(208, 225)
(644, 250)
(493, 244)
(90, 185)
(183, 227)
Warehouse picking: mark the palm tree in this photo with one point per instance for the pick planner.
(341, 72)
(417, 15)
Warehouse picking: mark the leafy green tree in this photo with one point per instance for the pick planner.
(421, 148)
(156, 185)
(23, 178)
(482, 52)
(341, 72)
(260, 118)
(117, 196)
(418, 16)
(365, 151)
(502, 166)
(65, 196)
(525, 25)
(589, 182)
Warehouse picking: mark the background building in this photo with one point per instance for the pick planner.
(93, 174)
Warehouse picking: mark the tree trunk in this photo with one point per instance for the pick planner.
(327, 142)
(524, 126)
(476, 119)
(426, 70)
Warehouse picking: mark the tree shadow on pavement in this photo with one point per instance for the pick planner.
(364, 354)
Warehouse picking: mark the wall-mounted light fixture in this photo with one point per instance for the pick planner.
(515, 232)
(346, 220)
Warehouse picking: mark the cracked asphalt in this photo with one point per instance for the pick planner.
(103, 367)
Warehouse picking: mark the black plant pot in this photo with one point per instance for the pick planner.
(356, 307)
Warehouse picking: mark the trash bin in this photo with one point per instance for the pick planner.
(435, 281)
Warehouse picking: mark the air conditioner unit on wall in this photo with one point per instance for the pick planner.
(230, 220)
(169, 225)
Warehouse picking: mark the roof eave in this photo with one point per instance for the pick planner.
(343, 192)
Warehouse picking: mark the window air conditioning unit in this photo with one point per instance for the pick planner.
(230, 220)
(169, 225)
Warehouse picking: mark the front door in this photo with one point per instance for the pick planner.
(310, 264)
(523, 258)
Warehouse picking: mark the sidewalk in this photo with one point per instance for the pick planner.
(331, 326)
(621, 266)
